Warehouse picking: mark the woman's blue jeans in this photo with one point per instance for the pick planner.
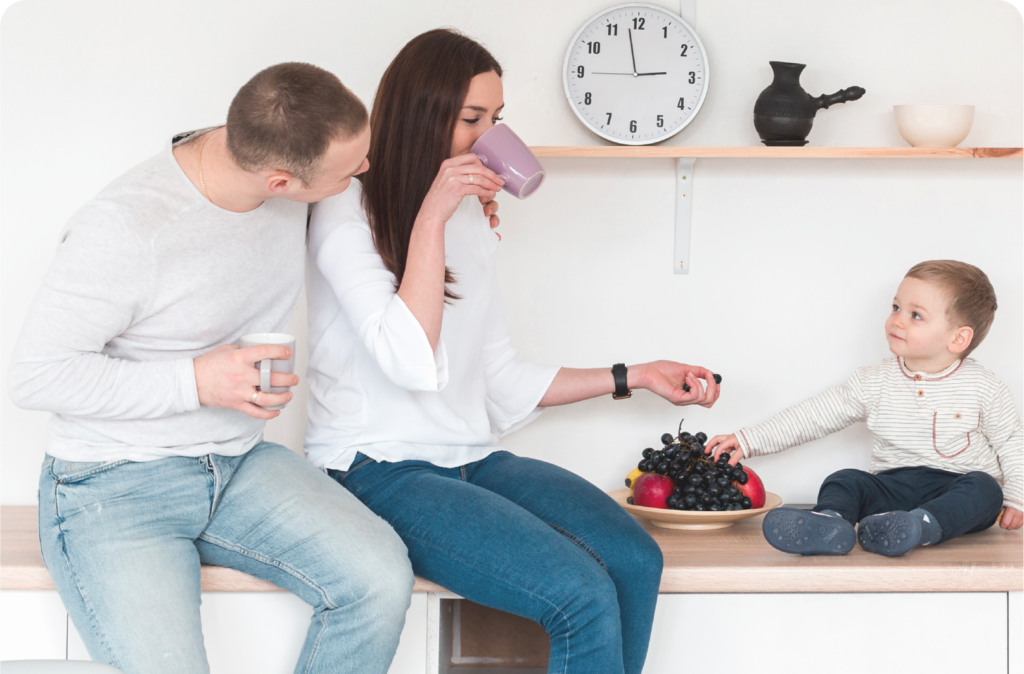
(529, 538)
(123, 542)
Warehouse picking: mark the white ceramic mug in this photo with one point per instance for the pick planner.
(268, 365)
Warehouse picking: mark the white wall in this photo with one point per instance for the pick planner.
(794, 262)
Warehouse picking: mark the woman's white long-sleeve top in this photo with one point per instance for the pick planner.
(376, 387)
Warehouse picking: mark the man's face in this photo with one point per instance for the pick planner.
(343, 160)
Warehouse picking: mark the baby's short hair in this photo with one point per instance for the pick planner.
(972, 299)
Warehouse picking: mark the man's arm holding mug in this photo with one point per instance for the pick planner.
(91, 294)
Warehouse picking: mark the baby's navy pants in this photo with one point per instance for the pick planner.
(962, 503)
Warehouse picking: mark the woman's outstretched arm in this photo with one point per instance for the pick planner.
(664, 377)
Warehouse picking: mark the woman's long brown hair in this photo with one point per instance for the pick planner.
(414, 115)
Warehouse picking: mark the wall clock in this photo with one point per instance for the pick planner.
(635, 74)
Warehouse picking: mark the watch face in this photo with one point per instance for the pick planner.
(636, 74)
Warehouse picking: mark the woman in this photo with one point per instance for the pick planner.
(413, 378)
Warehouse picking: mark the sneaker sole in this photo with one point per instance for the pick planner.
(890, 534)
(802, 532)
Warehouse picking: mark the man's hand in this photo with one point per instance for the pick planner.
(725, 443)
(1012, 519)
(666, 378)
(225, 377)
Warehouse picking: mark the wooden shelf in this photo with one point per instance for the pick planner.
(763, 152)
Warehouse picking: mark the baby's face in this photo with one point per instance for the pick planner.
(918, 327)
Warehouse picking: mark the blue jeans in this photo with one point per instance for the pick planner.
(961, 503)
(123, 542)
(529, 538)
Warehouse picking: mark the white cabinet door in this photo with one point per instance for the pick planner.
(1015, 631)
(263, 632)
(411, 657)
(243, 632)
(33, 626)
(834, 633)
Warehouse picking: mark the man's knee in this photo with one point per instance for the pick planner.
(381, 580)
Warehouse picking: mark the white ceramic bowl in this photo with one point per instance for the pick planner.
(934, 125)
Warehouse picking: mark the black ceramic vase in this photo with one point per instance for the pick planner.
(784, 112)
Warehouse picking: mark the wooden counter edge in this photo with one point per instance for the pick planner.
(677, 580)
(214, 579)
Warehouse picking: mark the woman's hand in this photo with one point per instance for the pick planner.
(667, 378)
(458, 178)
(725, 443)
(490, 209)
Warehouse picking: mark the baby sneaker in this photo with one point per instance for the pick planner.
(803, 532)
(891, 534)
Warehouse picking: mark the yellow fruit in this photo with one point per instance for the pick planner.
(631, 478)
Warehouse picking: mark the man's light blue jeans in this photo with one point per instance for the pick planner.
(124, 540)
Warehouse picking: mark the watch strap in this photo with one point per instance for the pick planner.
(619, 374)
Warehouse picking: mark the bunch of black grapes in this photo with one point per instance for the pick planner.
(701, 482)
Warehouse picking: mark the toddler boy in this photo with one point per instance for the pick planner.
(945, 429)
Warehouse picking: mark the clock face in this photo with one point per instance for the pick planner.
(636, 74)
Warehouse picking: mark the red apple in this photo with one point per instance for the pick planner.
(753, 489)
(650, 490)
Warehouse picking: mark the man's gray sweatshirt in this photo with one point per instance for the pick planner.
(147, 276)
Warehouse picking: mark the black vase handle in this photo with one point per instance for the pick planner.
(842, 96)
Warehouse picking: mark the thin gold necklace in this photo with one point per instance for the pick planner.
(202, 183)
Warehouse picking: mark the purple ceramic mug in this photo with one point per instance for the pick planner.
(502, 151)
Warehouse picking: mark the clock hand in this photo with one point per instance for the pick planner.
(631, 51)
(642, 74)
(611, 73)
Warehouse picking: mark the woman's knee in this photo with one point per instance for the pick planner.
(635, 555)
(590, 604)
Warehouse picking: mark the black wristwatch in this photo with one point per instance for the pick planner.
(621, 390)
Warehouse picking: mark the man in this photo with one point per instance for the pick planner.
(155, 459)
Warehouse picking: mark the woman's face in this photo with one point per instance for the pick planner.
(483, 103)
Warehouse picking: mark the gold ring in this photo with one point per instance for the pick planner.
(254, 396)
(470, 178)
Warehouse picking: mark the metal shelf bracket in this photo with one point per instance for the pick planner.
(684, 202)
(684, 177)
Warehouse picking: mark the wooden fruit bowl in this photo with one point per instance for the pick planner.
(693, 519)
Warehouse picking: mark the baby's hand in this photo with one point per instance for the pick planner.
(725, 443)
(1012, 519)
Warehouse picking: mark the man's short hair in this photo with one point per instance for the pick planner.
(972, 299)
(286, 117)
